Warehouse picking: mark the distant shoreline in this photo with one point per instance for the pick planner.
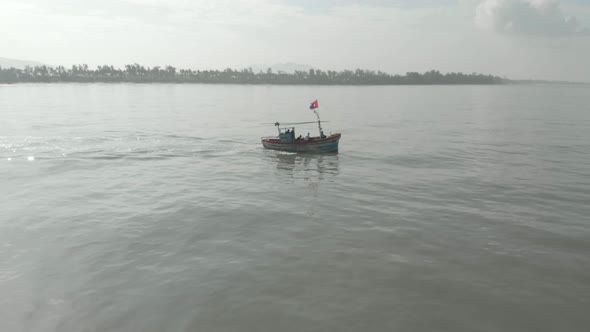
(254, 84)
(505, 83)
(543, 82)
(145, 75)
(139, 74)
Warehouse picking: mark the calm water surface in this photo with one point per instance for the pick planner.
(154, 208)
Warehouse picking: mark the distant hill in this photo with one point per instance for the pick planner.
(287, 67)
(19, 64)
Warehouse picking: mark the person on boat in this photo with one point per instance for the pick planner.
(299, 138)
(307, 137)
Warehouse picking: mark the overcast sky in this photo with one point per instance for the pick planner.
(515, 38)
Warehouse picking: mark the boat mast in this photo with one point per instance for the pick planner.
(319, 122)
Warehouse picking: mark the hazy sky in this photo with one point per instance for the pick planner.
(515, 38)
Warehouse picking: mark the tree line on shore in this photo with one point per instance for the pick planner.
(136, 73)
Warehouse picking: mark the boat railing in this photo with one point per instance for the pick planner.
(269, 137)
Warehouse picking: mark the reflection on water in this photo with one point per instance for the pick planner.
(309, 167)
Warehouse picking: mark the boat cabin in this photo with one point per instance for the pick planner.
(287, 135)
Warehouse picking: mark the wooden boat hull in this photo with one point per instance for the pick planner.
(314, 145)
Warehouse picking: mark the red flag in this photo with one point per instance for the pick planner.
(314, 105)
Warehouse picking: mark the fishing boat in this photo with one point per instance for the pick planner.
(288, 141)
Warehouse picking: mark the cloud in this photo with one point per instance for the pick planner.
(527, 17)
(391, 35)
(315, 6)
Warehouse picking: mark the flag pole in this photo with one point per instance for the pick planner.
(319, 122)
